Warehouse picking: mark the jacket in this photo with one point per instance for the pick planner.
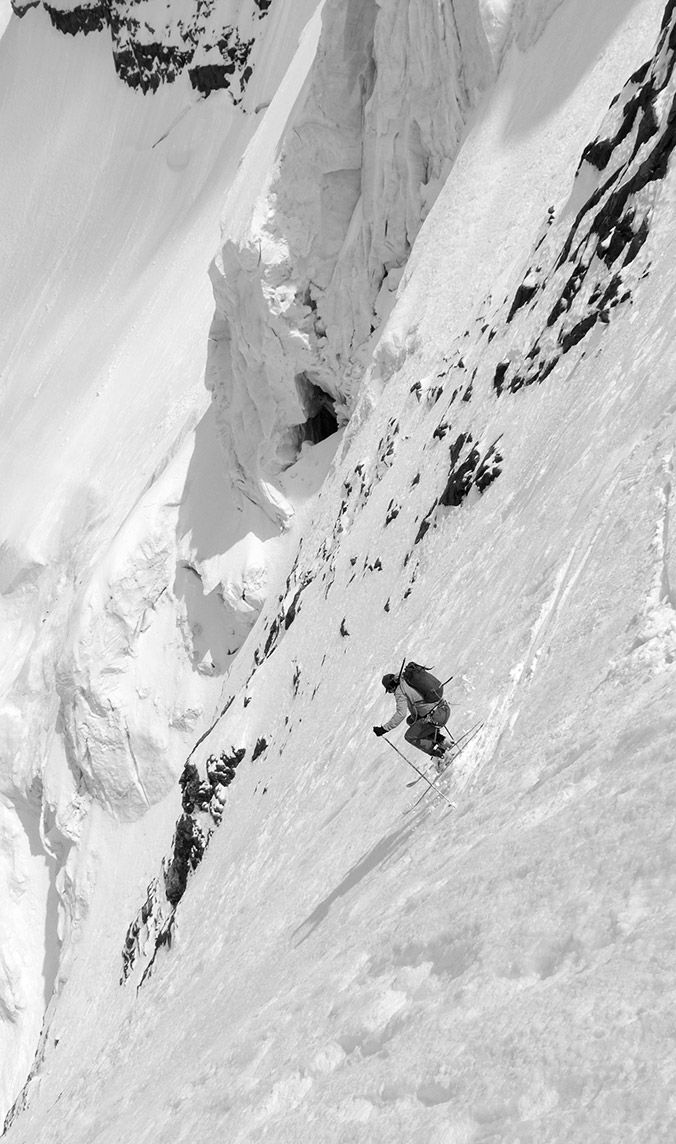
(409, 701)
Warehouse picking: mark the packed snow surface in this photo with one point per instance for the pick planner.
(309, 955)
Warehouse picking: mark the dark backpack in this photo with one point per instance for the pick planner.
(424, 682)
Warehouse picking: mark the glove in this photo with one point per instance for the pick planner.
(378, 731)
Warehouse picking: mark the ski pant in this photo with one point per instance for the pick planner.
(424, 735)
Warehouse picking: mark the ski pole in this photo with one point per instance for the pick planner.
(441, 700)
(422, 775)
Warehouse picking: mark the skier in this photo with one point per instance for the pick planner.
(425, 719)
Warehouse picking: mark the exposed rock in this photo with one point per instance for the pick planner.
(612, 205)
(261, 746)
(81, 20)
(149, 49)
(189, 846)
(203, 800)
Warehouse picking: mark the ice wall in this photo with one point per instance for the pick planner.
(308, 272)
(113, 644)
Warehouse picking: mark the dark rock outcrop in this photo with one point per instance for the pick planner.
(584, 273)
(202, 803)
(82, 20)
(149, 52)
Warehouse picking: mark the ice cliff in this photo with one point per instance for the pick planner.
(311, 263)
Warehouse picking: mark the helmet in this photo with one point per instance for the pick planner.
(389, 682)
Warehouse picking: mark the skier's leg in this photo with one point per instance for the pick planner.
(439, 716)
(423, 736)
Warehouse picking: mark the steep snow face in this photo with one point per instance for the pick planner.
(125, 589)
(502, 972)
(309, 272)
(589, 258)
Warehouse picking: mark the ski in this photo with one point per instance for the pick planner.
(460, 742)
(473, 731)
(469, 735)
(419, 772)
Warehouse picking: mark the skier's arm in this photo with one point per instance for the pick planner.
(400, 713)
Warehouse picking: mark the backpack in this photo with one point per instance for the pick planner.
(423, 681)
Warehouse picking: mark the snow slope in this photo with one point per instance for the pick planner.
(112, 207)
(501, 506)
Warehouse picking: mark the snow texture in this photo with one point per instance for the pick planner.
(309, 268)
(441, 363)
